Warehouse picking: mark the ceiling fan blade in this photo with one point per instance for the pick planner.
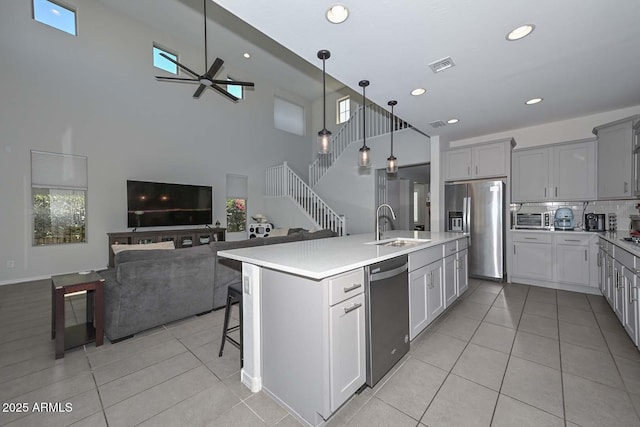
(199, 91)
(178, 79)
(193, 73)
(223, 92)
(215, 67)
(233, 83)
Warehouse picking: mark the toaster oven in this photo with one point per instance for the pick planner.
(534, 221)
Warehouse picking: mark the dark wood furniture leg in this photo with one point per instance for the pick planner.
(59, 321)
(98, 308)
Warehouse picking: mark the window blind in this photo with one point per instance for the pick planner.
(54, 170)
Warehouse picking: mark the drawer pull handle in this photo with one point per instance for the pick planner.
(353, 287)
(571, 240)
(530, 238)
(353, 307)
(631, 300)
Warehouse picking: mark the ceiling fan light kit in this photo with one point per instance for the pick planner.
(206, 80)
(392, 162)
(363, 154)
(324, 136)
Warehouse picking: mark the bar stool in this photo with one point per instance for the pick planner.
(234, 295)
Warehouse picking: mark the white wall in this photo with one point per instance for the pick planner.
(351, 191)
(284, 212)
(95, 95)
(554, 132)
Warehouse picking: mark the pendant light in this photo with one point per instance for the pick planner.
(363, 156)
(324, 136)
(392, 162)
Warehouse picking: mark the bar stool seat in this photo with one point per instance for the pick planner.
(234, 295)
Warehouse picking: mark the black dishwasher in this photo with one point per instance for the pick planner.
(387, 316)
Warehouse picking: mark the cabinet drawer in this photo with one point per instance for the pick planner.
(531, 237)
(463, 244)
(577, 240)
(449, 248)
(345, 286)
(624, 257)
(423, 257)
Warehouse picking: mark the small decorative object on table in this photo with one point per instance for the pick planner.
(217, 224)
(259, 218)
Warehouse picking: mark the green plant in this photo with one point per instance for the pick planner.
(236, 215)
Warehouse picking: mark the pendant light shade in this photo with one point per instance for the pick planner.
(364, 159)
(392, 162)
(324, 136)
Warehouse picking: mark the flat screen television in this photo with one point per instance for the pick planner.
(155, 204)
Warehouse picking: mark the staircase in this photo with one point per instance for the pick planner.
(282, 181)
(377, 122)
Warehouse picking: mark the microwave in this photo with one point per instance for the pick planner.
(534, 221)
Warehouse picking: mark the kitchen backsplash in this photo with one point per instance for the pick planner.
(622, 209)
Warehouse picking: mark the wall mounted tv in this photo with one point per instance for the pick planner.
(154, 204)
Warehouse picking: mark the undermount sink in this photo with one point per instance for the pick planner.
(399, 242)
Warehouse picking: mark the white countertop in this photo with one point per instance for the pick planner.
(322, 258)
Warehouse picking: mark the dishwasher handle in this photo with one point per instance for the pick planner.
(382, 275)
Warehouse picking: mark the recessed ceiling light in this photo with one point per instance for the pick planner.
(453, 121)
(520, 32)
(419, 91)
(337, 14)
(533, 101)
(246, 55)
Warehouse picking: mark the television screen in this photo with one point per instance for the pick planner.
(153, 204)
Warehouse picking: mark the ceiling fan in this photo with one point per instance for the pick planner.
(206, 80)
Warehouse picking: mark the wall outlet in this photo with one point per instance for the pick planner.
(246, 284)
(11, 264)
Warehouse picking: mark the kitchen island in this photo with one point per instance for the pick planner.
(304, 312)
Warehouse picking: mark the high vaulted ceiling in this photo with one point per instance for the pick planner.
(582, 58)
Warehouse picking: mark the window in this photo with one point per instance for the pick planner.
(236, 203)
(164, 63)
(55, 15)
(59, 198)
(343, 109)
(288, 116)
(234, 90)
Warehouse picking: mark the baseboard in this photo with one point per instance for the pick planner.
(254, 384)
(555, 285)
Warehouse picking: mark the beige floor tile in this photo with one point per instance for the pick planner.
(513, 304)
(607, 321)
(592, 364)
(289, 421)
(412, 387)
(96, 420)
(621, 345)
(350, 408)
(461, 403)
(198, 410)
(511, 412)
(152, 401)
(266, 408)
(482, 365)
(542, 295)
(574, 300)
(376, 413)
(490, 287)
(630, 371)
(536, 348)
(534, 384)
(470, 309)
(503, 317)
(144, 379)
(104, 355)
(239, 416)
(458, 327)
(439, 350)
(542, 326)
(582, 336)
(589, 403)
(493, 336)
(481, 296)
(577, 316)
(599, 304)
(236, 386)
(541, 309)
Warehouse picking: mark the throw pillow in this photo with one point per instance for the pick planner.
(148, 246)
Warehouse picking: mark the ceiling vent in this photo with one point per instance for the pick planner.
(442, 64)
(437, 124)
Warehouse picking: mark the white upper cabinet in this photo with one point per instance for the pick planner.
(479, 161)
(557, 172)
(615, 149)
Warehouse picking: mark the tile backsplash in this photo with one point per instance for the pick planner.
(622, 209)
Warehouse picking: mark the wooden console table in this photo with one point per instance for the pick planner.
(182, 238)
(77, 335)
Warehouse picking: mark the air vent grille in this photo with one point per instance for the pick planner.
(442, 64)
(437, 124)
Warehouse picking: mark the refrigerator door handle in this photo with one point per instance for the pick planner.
(467, 216)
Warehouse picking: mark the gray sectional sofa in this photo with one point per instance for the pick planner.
(149, 288)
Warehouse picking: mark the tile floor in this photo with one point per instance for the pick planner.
(501, 356)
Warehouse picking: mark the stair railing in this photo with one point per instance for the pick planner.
(282, 181)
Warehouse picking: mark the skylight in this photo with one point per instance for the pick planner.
(164, 63)
(55, 15)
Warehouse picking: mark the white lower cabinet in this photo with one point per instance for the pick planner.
(630, 308)
(462, 271)
(572, 260)
(450, 291)
(532, 256)
(618, 290)
(347, 353)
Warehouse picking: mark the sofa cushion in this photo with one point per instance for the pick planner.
(129, 256)
(283, 239)
(148, 247)
(320, 234)
(296, 230)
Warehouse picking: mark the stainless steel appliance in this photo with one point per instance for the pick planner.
(534, 221)
(635, 222)
(387, 316)
(478, 208)
(594, 222)
(563, 219)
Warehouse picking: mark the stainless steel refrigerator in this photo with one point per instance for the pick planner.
(478, 208)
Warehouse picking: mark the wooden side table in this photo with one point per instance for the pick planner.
(77, 335)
